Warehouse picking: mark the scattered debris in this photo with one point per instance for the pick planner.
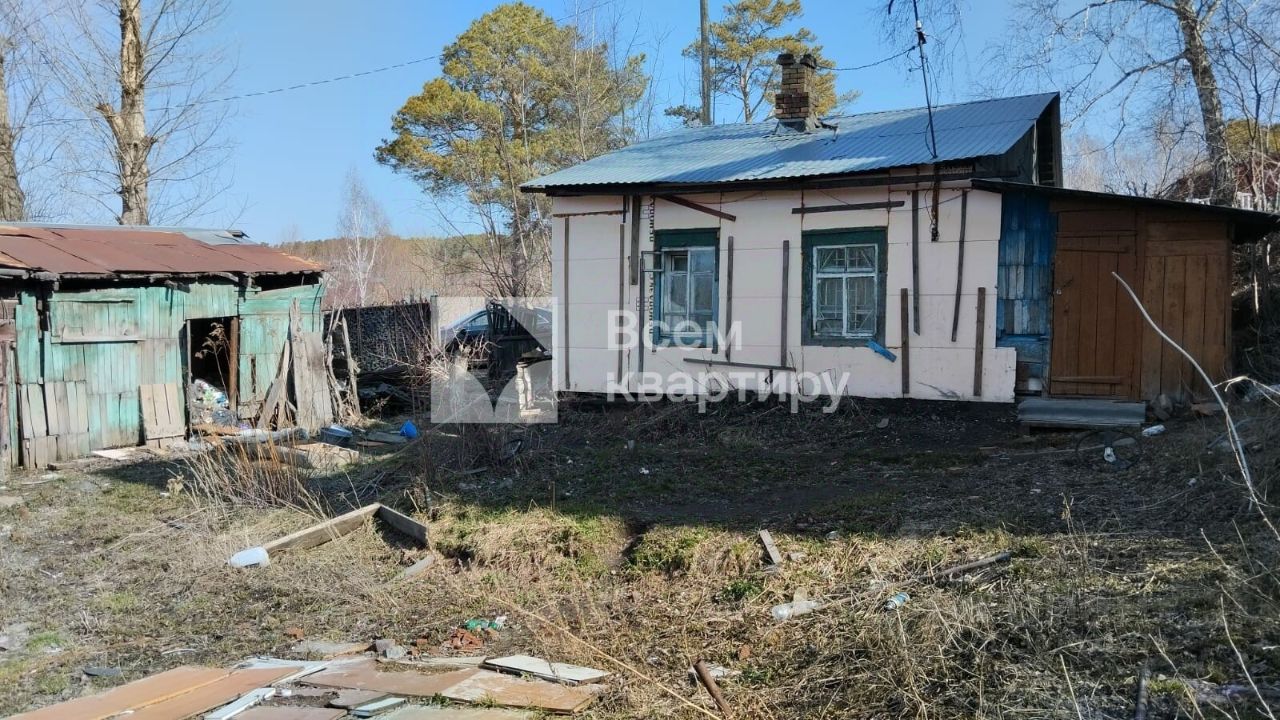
(976, 564)
(377, 707)
(389, 649)
(326, 649)
(336, 435)
(786, 611)
(483, 686)
(495, 624)
(352, 698)
(251, 557)
(766, 539)
(409, 430)
(294, 633)
(386, 437)
(237, 708)
(883, 423)
(290, 713)
(563, 673)
(709, 682)
(463, 639)
(796, 557)
(99, 671)
(898, 600)
(1153, 431)
(417, 568)
(718, 672)
(1206, 409)
(313, 456)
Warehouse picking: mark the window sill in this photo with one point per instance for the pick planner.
(827, 341)
(689, 343)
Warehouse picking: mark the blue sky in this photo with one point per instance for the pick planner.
(292, 149)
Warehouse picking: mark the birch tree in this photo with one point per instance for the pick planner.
(363, 228)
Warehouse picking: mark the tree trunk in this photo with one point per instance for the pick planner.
(129, 125)
(12, 202)
(1223, 189)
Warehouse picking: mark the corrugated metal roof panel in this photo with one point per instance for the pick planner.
(85, 250)
(769, 151)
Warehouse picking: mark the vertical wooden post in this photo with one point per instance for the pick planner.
(979, 341)
(564, 302)
(786, 281)
(622, 285)
(904, 311)
(233, 363)
(955, 312)
(915, 259)
(635, 239)
(728, 299)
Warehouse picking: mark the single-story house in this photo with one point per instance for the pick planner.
(105, 330)
(925, 253)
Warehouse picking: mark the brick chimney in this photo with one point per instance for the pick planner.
(793, 104)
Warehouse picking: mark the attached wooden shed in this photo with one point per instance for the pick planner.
(1076, 331)
(104, 329)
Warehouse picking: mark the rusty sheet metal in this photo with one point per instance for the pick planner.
(126, 250)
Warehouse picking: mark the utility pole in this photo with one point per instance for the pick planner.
(705, 51)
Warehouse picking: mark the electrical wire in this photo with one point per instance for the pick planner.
(881, 61)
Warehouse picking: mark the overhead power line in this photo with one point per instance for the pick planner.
(881, 61)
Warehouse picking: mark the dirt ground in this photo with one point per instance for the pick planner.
(625, 538)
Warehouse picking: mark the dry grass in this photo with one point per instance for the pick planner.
(598, 563)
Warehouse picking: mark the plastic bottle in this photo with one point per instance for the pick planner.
(786, 611)
(897, 601)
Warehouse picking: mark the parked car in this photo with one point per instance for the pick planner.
(473, 330)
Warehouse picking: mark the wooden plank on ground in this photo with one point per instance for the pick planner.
(491, 688)
(403, 524)
(322, 532)
(562, 673)
(212, 695)
(366, 676)
(130, 696)
(766, 539)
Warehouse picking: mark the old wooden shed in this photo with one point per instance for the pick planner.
(1076, 332)
(105, 329)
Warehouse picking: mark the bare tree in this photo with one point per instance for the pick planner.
(362, 227)
(147, 75)
(1144, 58)
(12, 201)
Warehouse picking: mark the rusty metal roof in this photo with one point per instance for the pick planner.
(122, 250)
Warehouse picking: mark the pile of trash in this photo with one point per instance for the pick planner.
(211, 406)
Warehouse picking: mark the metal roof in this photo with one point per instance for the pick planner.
(1251, 225)
(769, 151)
(121, 250)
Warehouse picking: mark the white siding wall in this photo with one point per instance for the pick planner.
(939, 367)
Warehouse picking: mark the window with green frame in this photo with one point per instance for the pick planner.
(686, 294)
(844, 286)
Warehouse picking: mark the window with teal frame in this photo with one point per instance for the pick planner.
(687, 290)
(844, 286)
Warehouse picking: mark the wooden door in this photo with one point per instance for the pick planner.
(1096, 335)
